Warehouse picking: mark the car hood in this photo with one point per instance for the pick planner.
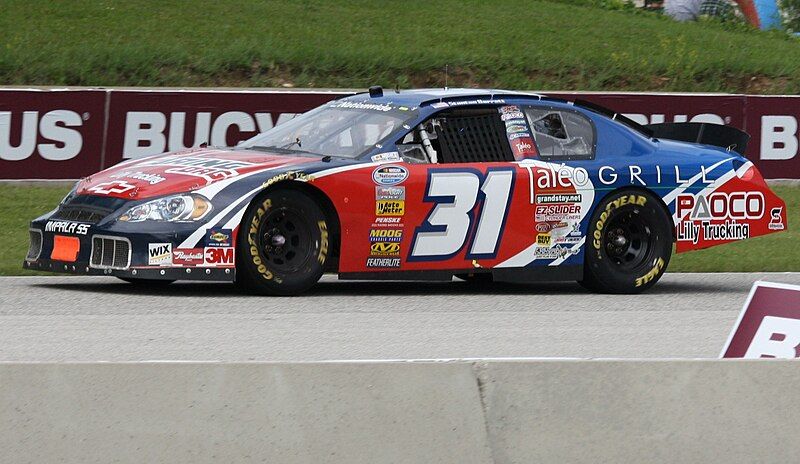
(183, 171)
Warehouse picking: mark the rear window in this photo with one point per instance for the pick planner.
(561, 134)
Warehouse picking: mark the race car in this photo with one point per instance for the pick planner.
(484, 185)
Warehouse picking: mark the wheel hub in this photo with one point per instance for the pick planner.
(285, 240)
(278, 240)
(628, 240)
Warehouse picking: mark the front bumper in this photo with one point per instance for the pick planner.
(120, 250)
(170, 273)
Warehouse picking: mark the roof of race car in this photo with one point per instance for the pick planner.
(418, 97)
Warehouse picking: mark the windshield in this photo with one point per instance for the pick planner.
(341, 128)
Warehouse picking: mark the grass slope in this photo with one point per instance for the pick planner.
(355, 43)
(774, 252)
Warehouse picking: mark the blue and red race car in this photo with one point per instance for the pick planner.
(422, 184)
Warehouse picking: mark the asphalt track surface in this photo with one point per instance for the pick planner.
(103, 319)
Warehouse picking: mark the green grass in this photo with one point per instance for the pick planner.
(18, 205)
(512, 44)
(774, 252)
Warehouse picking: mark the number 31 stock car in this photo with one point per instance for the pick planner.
(423, 184)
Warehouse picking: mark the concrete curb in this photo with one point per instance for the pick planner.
(517, 411)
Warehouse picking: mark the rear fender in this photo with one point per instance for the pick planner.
(738, 206)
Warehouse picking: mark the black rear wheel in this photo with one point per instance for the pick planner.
(629, 244)
(282, 244)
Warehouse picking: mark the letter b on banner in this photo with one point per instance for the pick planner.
(769, 324)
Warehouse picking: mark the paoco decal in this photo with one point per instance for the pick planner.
(719, 216)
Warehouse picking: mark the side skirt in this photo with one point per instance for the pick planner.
(520, 275)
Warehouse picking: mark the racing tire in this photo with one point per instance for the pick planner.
(146, 282)
(628, 245)
(282, 244)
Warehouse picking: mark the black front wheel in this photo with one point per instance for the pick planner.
(282, 244)
(629, 243)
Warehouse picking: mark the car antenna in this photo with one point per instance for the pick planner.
(445, 76)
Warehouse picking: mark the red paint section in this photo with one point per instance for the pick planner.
(180, 172)
(739, 209)
(365, 219)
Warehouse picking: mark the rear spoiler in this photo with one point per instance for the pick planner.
(727, 137)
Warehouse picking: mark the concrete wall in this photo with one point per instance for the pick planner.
(415, 412)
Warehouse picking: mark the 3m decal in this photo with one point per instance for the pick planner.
(219, 256)
(455, 194)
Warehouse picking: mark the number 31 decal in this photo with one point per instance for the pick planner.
(455, 193)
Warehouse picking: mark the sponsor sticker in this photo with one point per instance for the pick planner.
(66, 227)
(383, 262)
(151, 179)
(553, 253)
(776, 220)
(551, 198)
(389, 175)
(188, 257)
(210, 169)
(219, 256)
(385, 249)
(219, 237)
(388, 156)
(117, 187)
(544, 240)
(557, 213)
(390, 193)
(390, 207)
(386, 235)
(159, 254)
(387, 221)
